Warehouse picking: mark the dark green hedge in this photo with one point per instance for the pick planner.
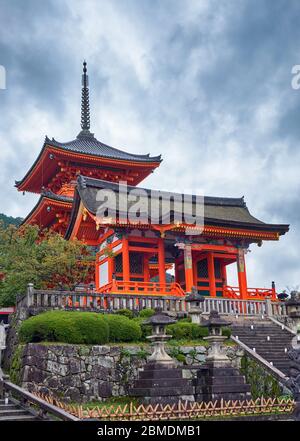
(79, 328)
(146, 313)
(226, 331)
(126, 312)
(122, 329)
(186, 331)
(92, 328)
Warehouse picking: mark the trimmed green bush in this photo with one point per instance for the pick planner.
(146, 313)
(227, 332)
(122, 329)
(186, 331)
(145, 329)
(185, 320)
(125, 312)
(66, 327)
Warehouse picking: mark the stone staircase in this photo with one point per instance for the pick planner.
(269, 339)
(14, 412)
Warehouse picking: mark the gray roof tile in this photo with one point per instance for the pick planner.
(86, 143)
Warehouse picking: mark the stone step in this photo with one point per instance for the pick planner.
(272, 350)
(7, 406)
(262, 336)
(161, 382)
(24, 417)
(270, 344)
(11, 412)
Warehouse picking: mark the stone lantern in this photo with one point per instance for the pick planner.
(293, 310)
(159, 321)
(217, 379)
(216, 355)
(195, 300)
(160, 381)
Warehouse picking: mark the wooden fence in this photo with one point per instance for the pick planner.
(181, 411)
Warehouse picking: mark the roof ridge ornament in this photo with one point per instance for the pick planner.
(85, 104)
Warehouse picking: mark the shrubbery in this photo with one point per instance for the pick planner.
(79, 328)
(227, 332)
(122, 329)
(186, 331)
(126, 312)
(92, 328)
(146, 313)
(145, 329)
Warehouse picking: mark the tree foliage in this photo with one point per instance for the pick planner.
(47, 262)
(9, 220)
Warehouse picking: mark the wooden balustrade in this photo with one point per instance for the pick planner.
(149, 288)
(253, 293)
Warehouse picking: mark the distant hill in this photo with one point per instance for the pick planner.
(9, 220)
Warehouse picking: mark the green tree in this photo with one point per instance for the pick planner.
(47, 262)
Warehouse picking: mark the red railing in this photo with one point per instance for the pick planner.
(233, 292)
(174, 289)
(151, 288)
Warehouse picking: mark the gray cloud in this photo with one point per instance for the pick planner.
(205, 83)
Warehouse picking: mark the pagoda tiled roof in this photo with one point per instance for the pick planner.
(47, 194)
(219, 211)
(56, 197)
(86, 143)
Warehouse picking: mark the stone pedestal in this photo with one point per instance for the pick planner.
(161, 383)
(217, 379)
(216, 383)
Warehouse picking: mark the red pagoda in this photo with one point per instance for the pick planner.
(53, 174)
(133, 257)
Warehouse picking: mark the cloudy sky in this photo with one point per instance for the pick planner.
(206, 83)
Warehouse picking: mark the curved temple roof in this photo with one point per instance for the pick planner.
(89, 145)
(47, 195)
(218, 211)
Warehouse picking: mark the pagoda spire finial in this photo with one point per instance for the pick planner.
(85, 102)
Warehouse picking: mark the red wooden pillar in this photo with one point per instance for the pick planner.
(188, 267)
(125, 260)
(211, 274)
(97, 269)
(146, 268)
(176, 270)
(161, 261)
(224, 276)
(242, 277)
(224, 272)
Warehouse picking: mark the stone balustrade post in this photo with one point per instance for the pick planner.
(30, 292)
(269, 312)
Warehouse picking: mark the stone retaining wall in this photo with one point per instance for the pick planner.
(80, 373)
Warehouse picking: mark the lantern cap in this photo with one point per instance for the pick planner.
(215, 320)
(159, 318)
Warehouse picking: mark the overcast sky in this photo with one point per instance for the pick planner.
(205, 83)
